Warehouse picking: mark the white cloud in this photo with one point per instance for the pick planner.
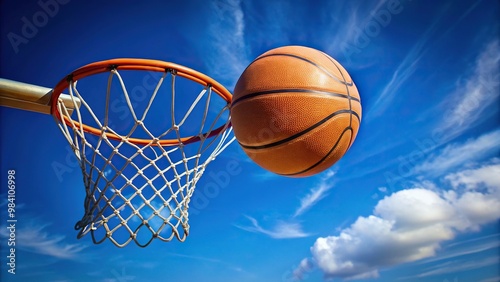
(455, 155)
(305, 266)
(477, 208)
(377, 241)
(282, 229)
(416, 208)
(470, 178)
(476, 93)
(406, 226)
(479, 191)
(480, 202)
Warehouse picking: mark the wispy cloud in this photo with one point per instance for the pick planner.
(402, 73)
(291, 229)
(474, 94)
(473, 240)
(227, 42)
(316, 193)
(353, 28)
(281, 230)
(33, 237)
(486, 61)
(465, 248)
(312, 198)
(200, 258)
(205, 259)
(470, 102)
(407, 226)
(457, 154)
(460, 266)
(491, 279)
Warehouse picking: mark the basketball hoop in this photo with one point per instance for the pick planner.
(140, 169)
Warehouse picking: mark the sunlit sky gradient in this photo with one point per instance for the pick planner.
(416, 198)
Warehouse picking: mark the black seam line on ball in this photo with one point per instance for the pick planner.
(295, 90)
(296, 135)
(308, 61)
(348, 93)
(322, 159)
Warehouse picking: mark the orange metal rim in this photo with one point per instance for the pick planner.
(142, 65)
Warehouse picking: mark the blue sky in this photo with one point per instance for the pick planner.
(416, 198)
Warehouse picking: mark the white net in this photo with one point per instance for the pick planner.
(139, 170)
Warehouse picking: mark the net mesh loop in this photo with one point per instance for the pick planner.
(138, 187)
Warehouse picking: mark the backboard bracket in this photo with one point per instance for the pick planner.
(28, 97)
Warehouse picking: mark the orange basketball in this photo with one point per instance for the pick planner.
(295, 111)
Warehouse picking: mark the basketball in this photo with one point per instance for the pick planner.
(295, 111)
